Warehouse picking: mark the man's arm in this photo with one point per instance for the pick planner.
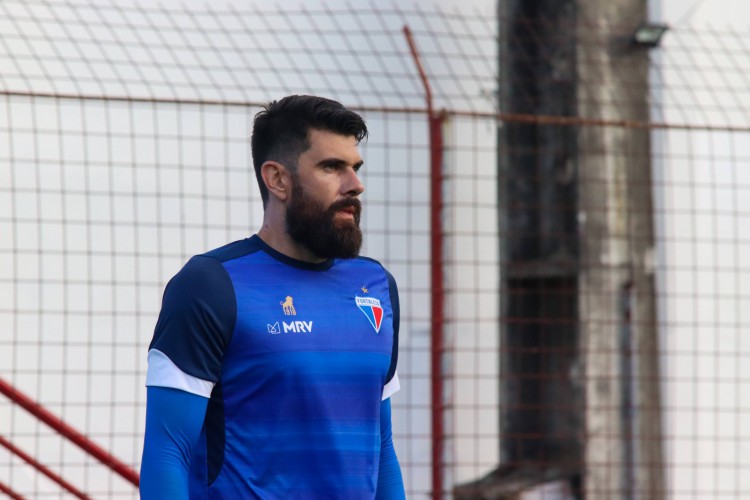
(390, 482)
(174, 419)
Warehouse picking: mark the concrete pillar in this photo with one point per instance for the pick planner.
(616, 284)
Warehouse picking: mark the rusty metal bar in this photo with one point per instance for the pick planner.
(4, 488)
(42, 468)
(573, 121)
(86, 444)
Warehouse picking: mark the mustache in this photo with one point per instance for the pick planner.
(346, 203)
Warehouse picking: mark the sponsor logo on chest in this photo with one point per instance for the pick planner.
(287, 306)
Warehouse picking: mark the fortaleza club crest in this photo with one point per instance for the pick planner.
(372, 310)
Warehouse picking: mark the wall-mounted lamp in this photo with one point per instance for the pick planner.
(649, 34)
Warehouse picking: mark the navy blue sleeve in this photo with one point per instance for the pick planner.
(197, 318)
(393, 292)
(174, 420)
(390, 481)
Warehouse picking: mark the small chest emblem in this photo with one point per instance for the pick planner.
(372, 310)
(288, 307)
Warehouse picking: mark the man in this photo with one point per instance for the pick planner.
(274, 357)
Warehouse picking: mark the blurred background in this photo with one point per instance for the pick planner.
(561, 189)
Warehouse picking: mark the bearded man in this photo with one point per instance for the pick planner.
(274, 358)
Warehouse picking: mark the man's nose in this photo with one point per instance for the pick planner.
(353, 184)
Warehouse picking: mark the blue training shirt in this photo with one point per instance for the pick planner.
(295, 357)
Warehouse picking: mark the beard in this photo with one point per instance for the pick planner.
(314, 226)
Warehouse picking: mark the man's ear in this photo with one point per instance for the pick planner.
(276, 177)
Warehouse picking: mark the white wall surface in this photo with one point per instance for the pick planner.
(702, 193)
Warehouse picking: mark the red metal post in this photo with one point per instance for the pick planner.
(436, 301)
(436, 275)
(87, 445)
(42, 468)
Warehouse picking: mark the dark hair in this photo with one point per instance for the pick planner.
(280, 131)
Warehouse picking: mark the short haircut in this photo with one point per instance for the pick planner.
(281, 130)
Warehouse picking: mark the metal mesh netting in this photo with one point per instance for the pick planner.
(569, 185)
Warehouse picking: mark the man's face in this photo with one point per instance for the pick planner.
(324, 210)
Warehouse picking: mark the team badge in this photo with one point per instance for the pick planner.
(372, 309)
(288, 307)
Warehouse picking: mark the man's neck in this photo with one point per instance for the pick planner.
(281, 242)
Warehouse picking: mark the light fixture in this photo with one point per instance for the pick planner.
(649, 34)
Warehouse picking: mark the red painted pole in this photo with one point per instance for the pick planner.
(436, 300)
(436, 276)
(87, 445)
(42, 468)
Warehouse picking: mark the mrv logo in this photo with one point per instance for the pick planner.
(297, 326)
(291, 327)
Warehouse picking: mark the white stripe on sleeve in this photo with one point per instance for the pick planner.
(162, 372)
(391, 387)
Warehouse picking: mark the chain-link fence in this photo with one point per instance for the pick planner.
(590, 280)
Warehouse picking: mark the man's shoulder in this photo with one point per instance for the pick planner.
(363, 262)
(233, 250)
(207, 269)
